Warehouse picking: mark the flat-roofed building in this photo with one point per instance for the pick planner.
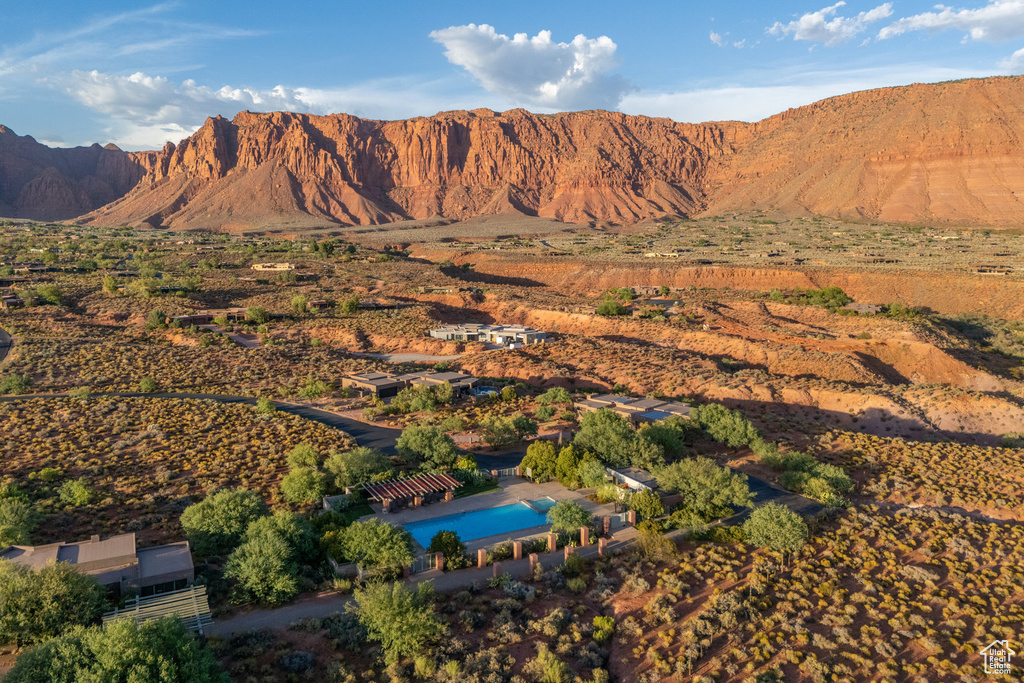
(273, 266)
(636, 410)
(115, 562)
(463, 384)
(380, 384)
(492, 334)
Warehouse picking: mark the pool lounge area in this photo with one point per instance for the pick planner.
(476, 524)
(517, 510)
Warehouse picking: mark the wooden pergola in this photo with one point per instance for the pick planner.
(411, 487)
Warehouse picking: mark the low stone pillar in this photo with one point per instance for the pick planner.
(494, 473)
(519, 471)
(534, 561)
(631, 517)
(386, 505)
(517, 550)
(607, 525)
(552, 542)
(481, 557)
(602, 546)
(497, 569)
(584, 536)
(406, 571)
(569, 550)
(417, 502)
(449, 496)
(439, 561)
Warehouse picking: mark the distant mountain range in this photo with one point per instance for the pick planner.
(941, 153)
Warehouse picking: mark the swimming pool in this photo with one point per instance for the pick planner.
(479, 523)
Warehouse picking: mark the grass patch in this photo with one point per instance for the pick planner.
(471, 490)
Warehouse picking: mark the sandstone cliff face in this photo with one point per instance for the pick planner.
(948, 152)
(289, 169)
(53, 184)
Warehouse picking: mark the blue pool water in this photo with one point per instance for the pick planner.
(479, 523)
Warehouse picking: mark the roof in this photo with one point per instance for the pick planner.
(164, 559)
(635, 474)
(411, 486)
(94, 554)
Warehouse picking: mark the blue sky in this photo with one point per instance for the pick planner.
(139, 74)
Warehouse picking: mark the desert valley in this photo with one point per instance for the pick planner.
(512, 397)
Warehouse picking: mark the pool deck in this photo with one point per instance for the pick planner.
(512, 490)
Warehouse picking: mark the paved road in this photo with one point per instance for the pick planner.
(5, 344)
(409, 357)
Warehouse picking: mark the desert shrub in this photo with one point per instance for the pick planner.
(611, 307)
(36, 605)
(567, 515)
(428, 445)
(554, 395)
(707, 489)
(604, 628)
(647, 504)
(545, 413)
(216, 524)
(777, 527)
(123, 651)
(18, 519)
(15, 384)
(75, 492)
(723, 425)
(304, 485)
(147, 385)
(402, 621)
(357, 466)
(451, 546)
(303, 455)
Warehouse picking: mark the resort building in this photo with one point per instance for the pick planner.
(633, 478)
(115, 562)
(382, 384)
(505, 335)
(273, 266)
(636, 410)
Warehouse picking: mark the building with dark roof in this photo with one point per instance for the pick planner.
(115, 562)
(636, 410)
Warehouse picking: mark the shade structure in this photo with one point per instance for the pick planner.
(419, 485)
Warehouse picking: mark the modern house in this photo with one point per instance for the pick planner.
(274, 266)
(636, 410)
(863, 309)
(505, 335)
(633, 478)
(115, 562)
(382, 384)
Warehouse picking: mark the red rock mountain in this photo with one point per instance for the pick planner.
(947, 152)
(42, 183)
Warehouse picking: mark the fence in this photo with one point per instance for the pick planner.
(424, 563)
(190, 605)
(507, 472)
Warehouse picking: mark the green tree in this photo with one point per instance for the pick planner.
(262, 569)
(705, 488)
(357, 466)
(36, 605)
(497, 431)
(264, 406)
(611, 307)
(671, 434)
(303, 455)
(257, 314)
(304, 485)
(109, 284)
(568, 515)
(75, 492)
(402, 621)
(609, 435)
(451, 546)
(15, 384)
(567, 466)
(546, 667)
(647, 504)
(592, 473)
(349, 306)
(49, 294)
(554, 395)
(523, 426)
(374, 544)
(215, 525)
(723, 425)
(776, 527)
(160, 651)
(541, 459)
(157, 319)
(509, 394)
(300, 304)
(18, 520)
(297, 531)
(429, 445)
(664, 291)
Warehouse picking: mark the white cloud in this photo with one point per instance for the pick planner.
(717, 39)
(146, 111)
(779, 92)
(998, 20)
(537, 72)
(1015, 62)
(819, 28)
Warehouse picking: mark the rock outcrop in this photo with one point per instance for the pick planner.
(942, 153)
(43, 183)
